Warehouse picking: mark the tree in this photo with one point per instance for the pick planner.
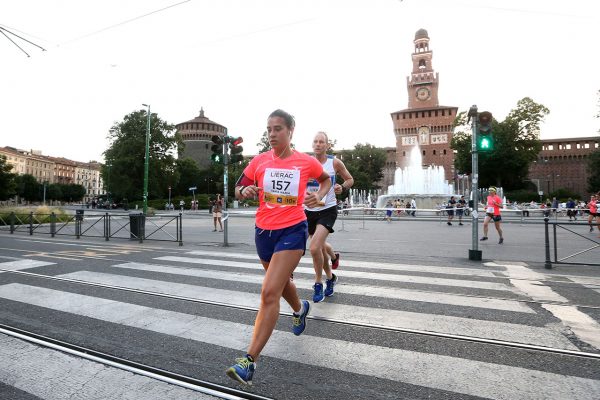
(28, 187)
(263, 145)
(189, 175)
(7, 180)
(72, 192)
(126, 156)
(516, 145)
(54, 192)
(365, 163)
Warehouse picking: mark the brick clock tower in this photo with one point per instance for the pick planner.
(424, 123)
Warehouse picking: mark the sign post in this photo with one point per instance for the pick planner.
(193, 190)
(474, 253)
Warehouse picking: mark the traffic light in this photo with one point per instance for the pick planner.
(217, 149)
(235, 150)
(485, 139)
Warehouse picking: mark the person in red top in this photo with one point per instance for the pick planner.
(592, 206)
(279, 178)
(492, 212)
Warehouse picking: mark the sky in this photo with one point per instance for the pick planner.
(337, 66)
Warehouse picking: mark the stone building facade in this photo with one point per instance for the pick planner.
(56, 170)
(562, 163)
(197, 134)
(424, 123)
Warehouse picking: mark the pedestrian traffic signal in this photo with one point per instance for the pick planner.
(485, 139)
(217, 149)
(235, 150)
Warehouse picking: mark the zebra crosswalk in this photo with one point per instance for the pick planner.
(388, 296)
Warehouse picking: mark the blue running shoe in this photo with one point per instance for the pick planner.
(299, 321)
(318, 294)
(329, 284)
(242, 371)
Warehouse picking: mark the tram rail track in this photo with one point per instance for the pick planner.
(440, 335)
(187, 382)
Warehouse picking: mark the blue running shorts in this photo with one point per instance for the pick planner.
(291, 238)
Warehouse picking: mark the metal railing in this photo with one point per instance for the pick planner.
(552, 246)
(108, 226)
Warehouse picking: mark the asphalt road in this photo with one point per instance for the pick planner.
(398, 326)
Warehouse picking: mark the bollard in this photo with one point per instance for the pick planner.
(363, 218)
(106, 227)
(180, 220)
(12, 222)
(343, 230)
(52, 224)
(548, 263)
(31, 223)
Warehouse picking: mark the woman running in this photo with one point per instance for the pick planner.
(279, 178)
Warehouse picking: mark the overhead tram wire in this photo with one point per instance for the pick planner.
(4, 31)
(124, 22)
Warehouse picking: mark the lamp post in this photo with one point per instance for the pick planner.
(108, 165)
(146, 162)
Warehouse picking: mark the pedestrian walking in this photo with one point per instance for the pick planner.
(460, 209)
(322, 218)
(592, 207)
(413, 207)
(279, 178)
(492, 213)
(217, 212)
(450, 209)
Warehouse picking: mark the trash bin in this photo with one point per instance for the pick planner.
(78, 215)
(137, 224)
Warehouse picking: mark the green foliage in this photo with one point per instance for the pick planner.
(28, 187)
(522, 195)
(516, 145)
(189, 176)
(365, 163)
(263, 145)
(7, 180)
(593, 166)
(126, 156)
(563, 194)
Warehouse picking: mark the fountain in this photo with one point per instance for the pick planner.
(426, 185)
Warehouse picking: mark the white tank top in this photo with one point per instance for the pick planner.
(313, 186)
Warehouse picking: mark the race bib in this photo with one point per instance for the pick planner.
(312, 186)
(490, 210)
(281, 186)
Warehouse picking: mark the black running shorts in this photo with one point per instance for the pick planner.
(324, 217)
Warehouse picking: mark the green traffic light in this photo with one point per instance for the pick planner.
(485, 143)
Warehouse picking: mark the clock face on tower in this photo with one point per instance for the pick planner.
(423, 93)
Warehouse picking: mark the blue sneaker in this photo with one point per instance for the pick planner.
(242, 371)
(329, 284)
(318, 294)
(299, 321)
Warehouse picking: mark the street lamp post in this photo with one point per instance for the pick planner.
(146, 161)
(109, 165)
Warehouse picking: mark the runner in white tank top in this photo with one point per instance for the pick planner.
(322, 218)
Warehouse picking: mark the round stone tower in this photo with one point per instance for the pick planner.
(197, 134)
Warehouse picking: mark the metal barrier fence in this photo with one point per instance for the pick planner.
(108, 226)
(566, 227)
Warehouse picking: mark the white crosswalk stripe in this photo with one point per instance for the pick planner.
(362, 290)
(453, 374)
(205, 270)
(427, 280)
(355, 314)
